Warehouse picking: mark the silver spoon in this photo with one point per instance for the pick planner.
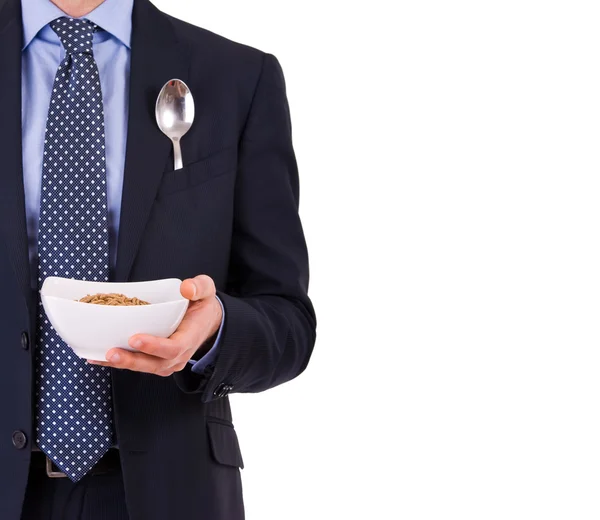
(175, 114)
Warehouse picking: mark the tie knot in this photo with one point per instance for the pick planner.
(75, 35)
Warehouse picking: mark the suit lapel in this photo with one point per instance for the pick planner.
(12, 197)
(156, 57)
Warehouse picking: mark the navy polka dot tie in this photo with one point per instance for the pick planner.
(74, 403)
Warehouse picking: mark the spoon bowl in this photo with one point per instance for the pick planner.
(175, 114)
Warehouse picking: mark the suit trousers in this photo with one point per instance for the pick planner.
(94, 497)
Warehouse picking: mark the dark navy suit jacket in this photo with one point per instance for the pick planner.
(231, 213)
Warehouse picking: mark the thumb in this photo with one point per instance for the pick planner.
(198, 288)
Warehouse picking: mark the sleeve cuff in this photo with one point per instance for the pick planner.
(210, 357)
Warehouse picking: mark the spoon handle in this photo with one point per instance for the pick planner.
(177, 154)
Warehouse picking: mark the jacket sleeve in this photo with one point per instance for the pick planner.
(270, 326)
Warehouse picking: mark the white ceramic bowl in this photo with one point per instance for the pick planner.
(92, 330)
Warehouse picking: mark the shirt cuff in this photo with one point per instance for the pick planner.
(209, 358)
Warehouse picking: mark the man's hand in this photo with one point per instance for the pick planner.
(164, 356)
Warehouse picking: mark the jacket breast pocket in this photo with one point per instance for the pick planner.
(198, 172)
(224, 445)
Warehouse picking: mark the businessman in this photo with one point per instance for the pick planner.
(88, 191)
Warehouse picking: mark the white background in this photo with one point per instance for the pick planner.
(450, 171)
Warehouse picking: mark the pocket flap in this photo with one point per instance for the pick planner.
(197, 172)
(224, 444)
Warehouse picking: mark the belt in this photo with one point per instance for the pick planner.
(109, 463)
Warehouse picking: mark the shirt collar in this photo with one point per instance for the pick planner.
(114, 16)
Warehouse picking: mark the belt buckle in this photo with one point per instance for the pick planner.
(50, 471)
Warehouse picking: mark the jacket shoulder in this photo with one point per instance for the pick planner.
(223, 48)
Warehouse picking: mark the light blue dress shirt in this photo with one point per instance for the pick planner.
(42, 53)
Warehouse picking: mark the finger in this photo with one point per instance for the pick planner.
(164, 348)
(101, 363)
(198, 288)
(165, 371)
(136, 361)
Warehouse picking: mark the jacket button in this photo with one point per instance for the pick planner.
(19, 440)
(222, 390)
(24, 340)
(219, 390)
